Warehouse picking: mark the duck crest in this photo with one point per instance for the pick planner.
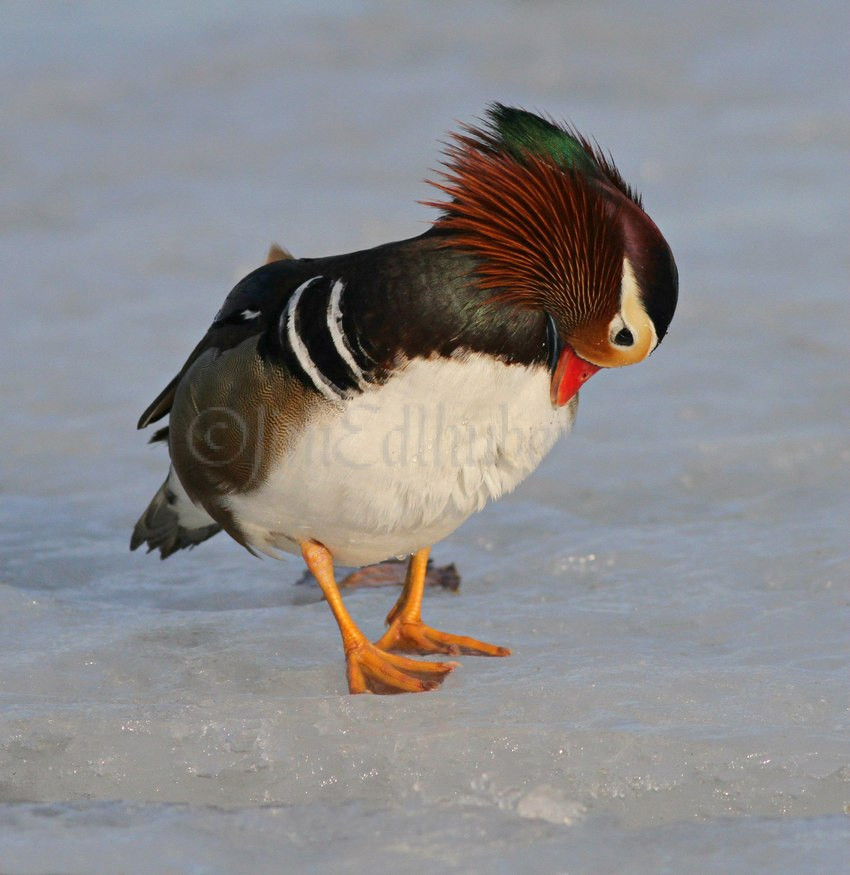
(521, 131)
(541, 210)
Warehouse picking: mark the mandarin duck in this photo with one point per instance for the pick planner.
(362, 406)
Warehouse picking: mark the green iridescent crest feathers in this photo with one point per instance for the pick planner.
(523, 133)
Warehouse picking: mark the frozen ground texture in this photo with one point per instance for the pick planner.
(674, 581)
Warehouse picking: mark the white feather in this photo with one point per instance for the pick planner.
(402, 465)
(189, 515)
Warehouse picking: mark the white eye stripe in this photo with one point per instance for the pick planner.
(633, 316)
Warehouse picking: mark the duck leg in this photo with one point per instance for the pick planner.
(408, 634)
(369, 669)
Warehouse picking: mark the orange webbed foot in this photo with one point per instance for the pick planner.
(369, 669)
(407, 635)
(373, 670)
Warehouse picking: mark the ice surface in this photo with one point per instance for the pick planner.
(674, 581)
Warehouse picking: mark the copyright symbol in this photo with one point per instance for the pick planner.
(217, 436)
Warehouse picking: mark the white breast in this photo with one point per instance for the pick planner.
(402, 465)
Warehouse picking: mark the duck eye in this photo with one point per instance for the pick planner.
(624, 337)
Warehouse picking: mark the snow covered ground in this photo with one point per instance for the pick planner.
(674, 580)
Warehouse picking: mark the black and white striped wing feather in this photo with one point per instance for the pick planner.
(319, 343)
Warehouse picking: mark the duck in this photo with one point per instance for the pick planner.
(357, 407)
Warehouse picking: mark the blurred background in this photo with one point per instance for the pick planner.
(674, 581)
